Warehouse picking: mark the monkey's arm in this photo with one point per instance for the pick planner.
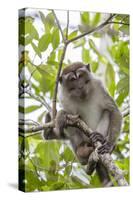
(101, 131)
(103, 125)
(115, 121)
(114, 126)
(109, 126)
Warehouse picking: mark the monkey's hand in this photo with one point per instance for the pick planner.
(60, 122)
(98, 137)
(105, 148)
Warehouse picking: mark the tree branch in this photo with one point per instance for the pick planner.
(125, 113)
(40, 99)
(59, 26)
(24, 132)
(28, 122)
(92, 30)
(57, 81)
(106, 158)
(67, 24)
(112, 22)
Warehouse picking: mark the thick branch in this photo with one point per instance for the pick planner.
(75, 121)
(105, 158)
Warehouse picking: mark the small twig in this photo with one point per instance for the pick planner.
(92, 30)
(40, 99)
(59, 26)
(67, 24)
(125, 113)
(112, 22)
(33, 130)
(28, 122)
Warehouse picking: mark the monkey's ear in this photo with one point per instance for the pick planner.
(88, 67)
(60, 79)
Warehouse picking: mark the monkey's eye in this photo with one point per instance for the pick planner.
(80, 75)
(87, 81)
(71, 79)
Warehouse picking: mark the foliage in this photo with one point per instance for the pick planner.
(51, 165)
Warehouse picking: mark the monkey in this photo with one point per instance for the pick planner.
(82, 93)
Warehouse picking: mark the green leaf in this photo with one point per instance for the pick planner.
(85, 18)
(97, 35)
(36, 49)
(93, 46)
(85, 55)
(29, 109)
(72, 35)
(48, 151)
(79, 42)
(36, 75)
(32, 180)
(96, 19)
(57, 186)
(68, 154)
(51, 57)
(31, 30)
(121, 97)
(94, 66)
(124, 29)
(123, 84)
(48, 21)
(110, 79)
(55, 38)
(44, 42)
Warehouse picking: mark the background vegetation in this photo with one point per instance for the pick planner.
(52, 165)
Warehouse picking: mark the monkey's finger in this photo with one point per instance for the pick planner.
(104, 149)
(95, 137)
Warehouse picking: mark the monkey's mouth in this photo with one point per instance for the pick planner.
(79, 93)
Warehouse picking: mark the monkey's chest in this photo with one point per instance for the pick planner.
(91, 114)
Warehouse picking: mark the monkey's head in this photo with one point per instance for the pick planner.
(76, 80)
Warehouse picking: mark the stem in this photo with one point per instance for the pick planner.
(118, 23)
(92, 30)
(125, 113)
(34, 129)
(67, 24)
(39, 99)
(57, 81)
(59, 26)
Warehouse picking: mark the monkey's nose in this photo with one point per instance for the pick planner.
(80, 87)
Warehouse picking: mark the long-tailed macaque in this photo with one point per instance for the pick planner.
(81, 93)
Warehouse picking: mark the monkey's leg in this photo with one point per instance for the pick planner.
(103, 175)
(49, 133)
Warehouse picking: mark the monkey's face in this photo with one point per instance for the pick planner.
(77, 83)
